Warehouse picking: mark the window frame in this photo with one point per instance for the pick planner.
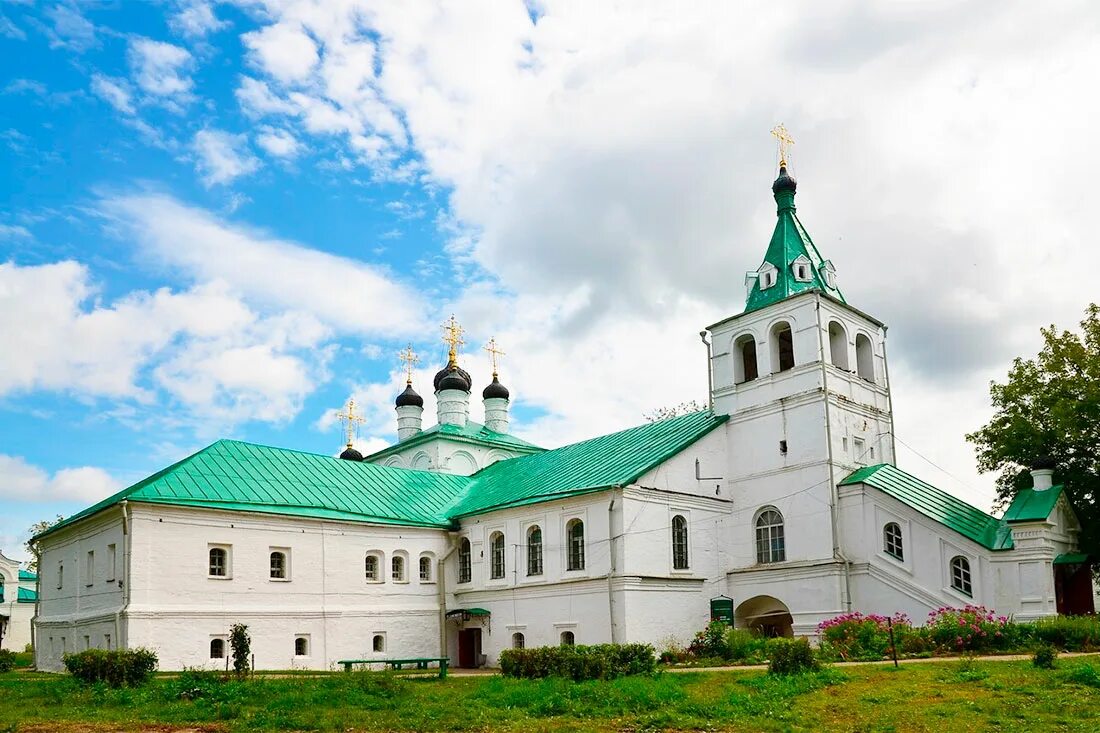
(893, 542)
(535, 555)
(379, 560)
(965, 576)
(378, 642)
(465, 560)
(567, 638)
(519, 641)
(681, 550)
(497, 551)
(227, 562)
(766, 535)
(574, 546)
(399, 568)
(285, 554)
(429, 576)
(302, 639)
(220, 641)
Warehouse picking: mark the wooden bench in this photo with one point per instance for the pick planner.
(398, 664)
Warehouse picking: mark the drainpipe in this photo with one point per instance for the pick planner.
(834, 498)
(127, 548)
(441, 585)
(611, 570)
(710, 371)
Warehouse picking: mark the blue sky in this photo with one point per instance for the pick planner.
(224, 219)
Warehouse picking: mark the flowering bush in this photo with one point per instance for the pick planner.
(970, 628)
(855, 636)
(710, 643)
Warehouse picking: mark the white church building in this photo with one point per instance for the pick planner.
(17, 601)
(781, 502)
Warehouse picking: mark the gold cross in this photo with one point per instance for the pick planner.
(785, 142)
(494, 354)
(351, 420)
(410, 359)
(452, 336)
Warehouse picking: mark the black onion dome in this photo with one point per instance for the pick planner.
(1044, 462)
(495, 389)
(785, 182)
(409, 398)
(452, 376)
(350, 454)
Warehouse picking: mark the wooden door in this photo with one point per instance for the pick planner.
(469, 647)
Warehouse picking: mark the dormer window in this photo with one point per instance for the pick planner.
(828, 272)
(801, 269)
(767, 275)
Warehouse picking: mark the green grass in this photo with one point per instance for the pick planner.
(941, 696)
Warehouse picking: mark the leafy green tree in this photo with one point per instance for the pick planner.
(241, 643)
(32, 548)
(1050, 408)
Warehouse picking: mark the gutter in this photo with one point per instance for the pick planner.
(441, 584)
(710, 369)
(127, 548)
(834, 495)
(611, 569)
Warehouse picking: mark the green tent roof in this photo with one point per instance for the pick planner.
(935, 504)
(27, 595)
(591, 465)
(1032, 506)
(471, 432)
(238, 476)
(27, 576)
(789, 242)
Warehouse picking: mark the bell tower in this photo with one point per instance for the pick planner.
(802, 375)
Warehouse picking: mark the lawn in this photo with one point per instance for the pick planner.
(941, 697)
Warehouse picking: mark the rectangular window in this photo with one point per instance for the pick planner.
(218, 561)
(89, 568)
(60, 575)
(859, 447)
(87, 642)
(111, 560)
(107, 642)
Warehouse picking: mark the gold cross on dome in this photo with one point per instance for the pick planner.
(779, 132)
(351, 420)
(452, 336)
(410, 359)
(494, 354)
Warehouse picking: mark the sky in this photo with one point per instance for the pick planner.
(222, 220)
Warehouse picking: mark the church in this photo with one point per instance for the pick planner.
(778, 507)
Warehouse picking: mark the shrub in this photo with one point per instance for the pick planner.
(241, 643)
(1072, 633)
(673, 653)
(7, 660)
(1085, 674)
(1044, 657)
(597, 662)
(710, 642)
(743, 645)
(131, 667)
(854, 636)
(791, 656)
(971, 628)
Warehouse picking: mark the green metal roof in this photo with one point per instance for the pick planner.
(237, 476)
(936, 504)
(1032, 506)
(1072, 558)
(789, 241)
(27, 595)
(471, 432)
(591, 465)
(27, 576)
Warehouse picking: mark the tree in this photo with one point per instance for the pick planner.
(32, 547)
(241, 643)
(664, 413)
(1050, 408)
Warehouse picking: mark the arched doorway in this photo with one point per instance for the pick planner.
(765, 615)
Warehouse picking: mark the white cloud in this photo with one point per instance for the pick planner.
(14, 231)
(8, 29)
(283, 50)
(196, 19)
(222, 156)
(345, 294)
(159, 67)
(279, 143)
(70, 29)
(115, 92)
(25, 482)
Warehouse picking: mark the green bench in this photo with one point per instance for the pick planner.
(399, 664)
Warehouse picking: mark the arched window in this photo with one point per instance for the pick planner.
(372, 568)
(891, 540)
(960, 575)
(517, 640)
(567, 638)
(782, 347)
(464, 570)
(679, 543)
(425, 569)
(865, 358)
(378, 644)
(397, 566)
(770, 545)
(838, 345)
(574, 537)
(301, 646)
(217, 649)
(744, 359)
(1, 588)
(496, 555)
(534, 550)
(218, 562)
(278, 566)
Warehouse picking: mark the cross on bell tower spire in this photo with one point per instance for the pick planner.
(452, 336)
(785, 141)
(351, 421)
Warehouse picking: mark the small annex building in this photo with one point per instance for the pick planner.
(18, 596)
(779, 507)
